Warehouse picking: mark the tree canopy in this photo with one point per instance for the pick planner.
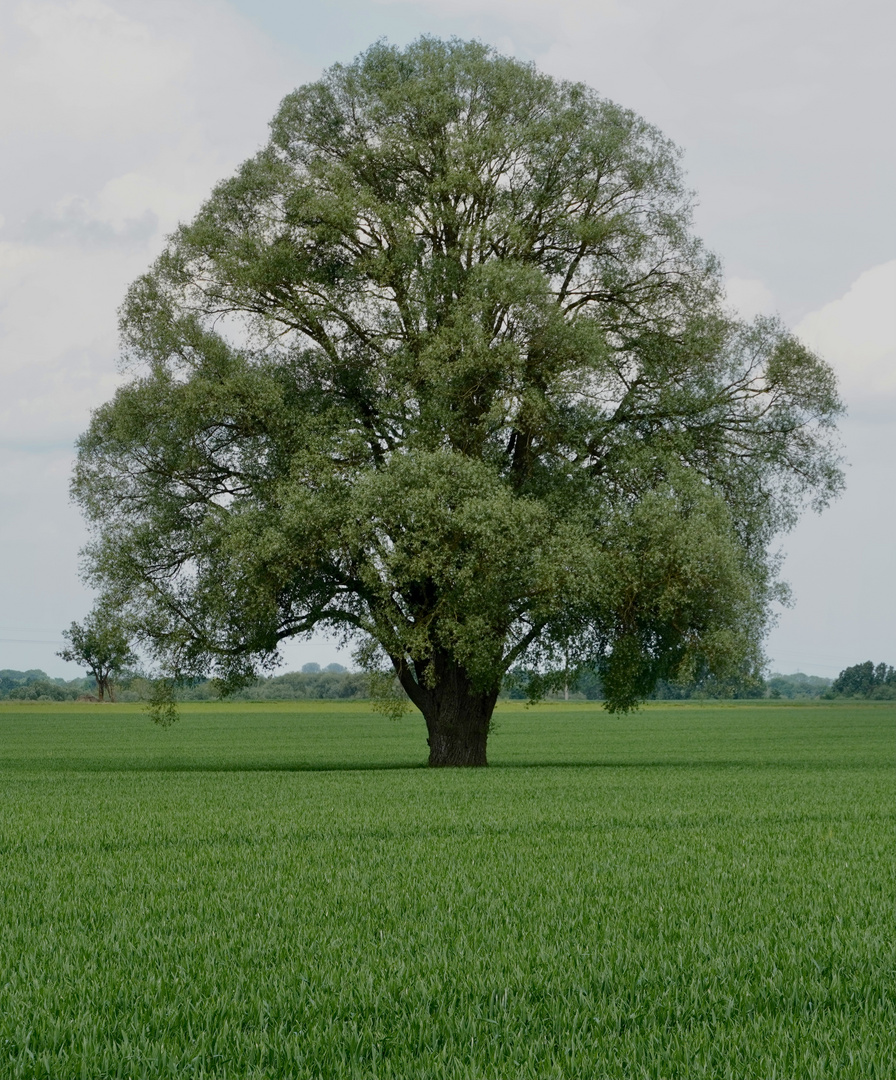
(866, 680)
(100, 645)
(444, 370)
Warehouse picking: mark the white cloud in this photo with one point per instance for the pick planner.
(779, 109)
(58, 335)
(73, 220)
(132, 195)
(116, 118)
(85, 69)
(857, 335)
(749, 297)
(841, 566)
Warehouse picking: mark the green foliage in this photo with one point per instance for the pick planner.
(321, 686)
(160, 702)
(866, 681)
(586, 683)
(10, 677)
(797, 685)
(101, 645)
(36, 685)
(443, 370)
(698, 891)
(293, 686)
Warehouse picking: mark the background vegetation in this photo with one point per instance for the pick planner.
(335, 682)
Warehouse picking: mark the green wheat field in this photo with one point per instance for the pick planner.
(283, 890)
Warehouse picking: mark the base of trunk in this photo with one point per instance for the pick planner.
(458, 748)
(457, 716)
(458, 723)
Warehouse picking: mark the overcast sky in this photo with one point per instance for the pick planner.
(117, 117)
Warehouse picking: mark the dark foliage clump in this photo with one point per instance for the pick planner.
(875, 682)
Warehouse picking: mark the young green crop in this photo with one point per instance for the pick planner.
(279, 891)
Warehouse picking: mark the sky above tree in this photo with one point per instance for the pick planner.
(117, 118)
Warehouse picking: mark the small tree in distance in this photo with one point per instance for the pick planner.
(101, 645)
(444, 371)
(866, 680)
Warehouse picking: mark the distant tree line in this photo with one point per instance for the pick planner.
(37, 685)
(797, 685)
(586, 685)
(334, 682)
(312, 682)
(868, 681)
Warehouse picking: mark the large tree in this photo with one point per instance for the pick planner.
(443, 369)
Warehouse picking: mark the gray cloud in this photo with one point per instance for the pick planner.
(74, 224)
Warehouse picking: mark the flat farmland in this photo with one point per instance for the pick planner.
(283, 890)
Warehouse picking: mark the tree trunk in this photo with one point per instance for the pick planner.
(458, 730)
(457, 717)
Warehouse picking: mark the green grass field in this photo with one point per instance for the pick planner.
(283, 891)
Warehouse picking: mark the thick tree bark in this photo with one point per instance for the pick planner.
(458, 729)
(457, 717)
